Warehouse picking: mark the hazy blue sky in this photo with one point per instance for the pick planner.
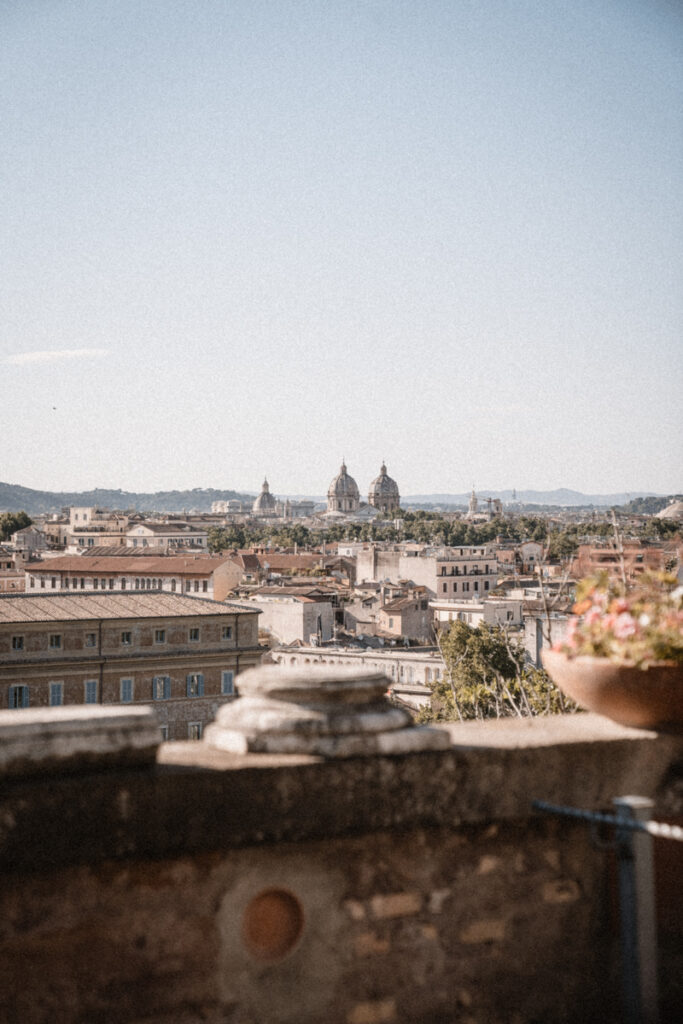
(248, 237)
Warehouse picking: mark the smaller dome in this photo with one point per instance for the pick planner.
(265, 501)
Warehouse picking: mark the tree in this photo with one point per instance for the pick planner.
(10, 522)
(221, 537)
(486, 676)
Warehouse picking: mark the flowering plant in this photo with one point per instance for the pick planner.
(638, 625)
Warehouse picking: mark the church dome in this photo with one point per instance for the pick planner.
(384, 492)
(265, 502)
(343, 494)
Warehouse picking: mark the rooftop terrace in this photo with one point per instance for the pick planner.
(187, 883)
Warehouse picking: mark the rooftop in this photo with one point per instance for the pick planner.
(114, 605)
(178, 565)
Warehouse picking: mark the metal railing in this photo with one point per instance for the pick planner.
(632, 844)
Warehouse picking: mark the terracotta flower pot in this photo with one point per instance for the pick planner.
(648, 698)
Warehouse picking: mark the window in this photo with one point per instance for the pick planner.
(161, 688)
(164, 732)
(18, 696)
(227, 682)
(194, 633)
(194, 730)
(445, 587)
(91, 639)
(56, 695)
(486, 584)
(90, 687)
(391, 623)
(82, 582)
(126, 638)
(226, 633)
(159, 636)
(126, 691)
(66, 582)
(205, 586)
(53, 582)
(196, 586)
(476, 584)
(173, 584)
(123, 583)
(42, 583)
(55, 641)
(188, 586)
(195, 684)
(17, 643)
(95, 584)
(32, 581)
(111, 583)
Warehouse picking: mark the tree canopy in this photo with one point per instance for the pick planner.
(10, 522)
(486, 676)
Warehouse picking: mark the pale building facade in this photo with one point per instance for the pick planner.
(465, 572)
(409, 673)
(493, 611)
(167, 536)
(291, 617)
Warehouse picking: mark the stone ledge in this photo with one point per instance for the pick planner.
(200, 800)
(73, 739)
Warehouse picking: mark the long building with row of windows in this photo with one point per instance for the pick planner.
(177, 653)
(211, 576)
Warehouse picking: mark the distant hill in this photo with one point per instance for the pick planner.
(562, 497)
(14, 497)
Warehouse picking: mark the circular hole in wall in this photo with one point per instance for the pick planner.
(272, 924)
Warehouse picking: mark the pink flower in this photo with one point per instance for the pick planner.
(624, 625)
(594, 615)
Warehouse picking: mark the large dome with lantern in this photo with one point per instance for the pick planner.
(343, 494)
(384, 492)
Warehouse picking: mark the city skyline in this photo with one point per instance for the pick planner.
(259, 235)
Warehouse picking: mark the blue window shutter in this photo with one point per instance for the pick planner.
(200, 685)
(167, 688)
(24, 697)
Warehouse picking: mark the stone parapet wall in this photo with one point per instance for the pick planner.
(257, 888)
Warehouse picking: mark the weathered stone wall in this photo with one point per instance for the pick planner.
(419, 888)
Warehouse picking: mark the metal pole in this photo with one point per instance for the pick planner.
(637, 913)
